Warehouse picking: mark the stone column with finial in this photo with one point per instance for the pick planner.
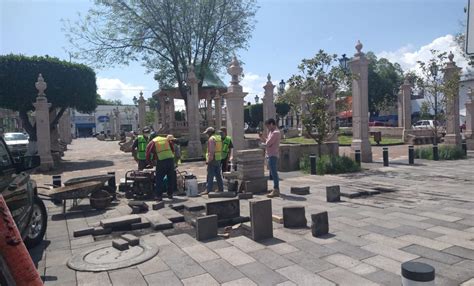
(117, 122)
(360, 105)
(235, 106)
(141, 110)
(470, 115)
(451, 77)
(218, 109)
(269, 110)
(406, 103)
(42, 125)
(194, 144)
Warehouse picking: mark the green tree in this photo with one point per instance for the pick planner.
(425, 110)
(282, 108)
(101, 101)
(166, 36)
(256, 114)
(70, 85)
(149, 118)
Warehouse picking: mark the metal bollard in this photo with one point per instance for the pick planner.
(57, 181)
(357, 157)
(111, 182)
(411, 155)
(385, 156)
(312, 161)
(435, 152)
(417, 274)
(464, 148)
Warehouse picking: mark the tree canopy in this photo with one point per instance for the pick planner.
(166, 36)
(69, 85)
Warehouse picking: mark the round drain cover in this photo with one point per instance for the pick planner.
(109, 258)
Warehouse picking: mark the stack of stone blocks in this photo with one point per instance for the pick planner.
(250, 170)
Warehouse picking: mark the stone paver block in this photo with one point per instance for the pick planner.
(256, 185)
(183, 240)
(384, 263)
(215, 195)
(192, 207)
(423, 241)
(333, 194)
(224, 209)
(163, 278)
(301, 276)
(432, 254)
(171, 214)
(120, 221)
(181, 264)
(90, 278)
(158, 205)
(206, 227)
(350, 194)
(384, 278)
(140, 225)
(139, 206)
(127, 276)
(159, 222)
(277, 219)
(363, 269)
(245, 196)
(261, 274)
(261, 219)
(177, 207)
(319, 224)
(271, 259)
(151, 266)
(240, 282)
(222, 270)
(309, 262)
(101, 231)
(294, 216)
(342, 260)
(386, 251)
(460, 251)
(120, 244)
(200, 280)
(131, 239)
(245, 244)
(83, 231)
(302, 191)
(345, 277)
(200, 253)
(234, 256)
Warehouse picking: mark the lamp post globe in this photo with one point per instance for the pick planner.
(343, 63)
(281, 87)
(256, 98)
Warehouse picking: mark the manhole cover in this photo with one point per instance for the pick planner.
(109, 258)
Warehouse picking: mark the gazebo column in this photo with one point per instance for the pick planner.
(218, 109)
(171, 113)
(194, 144)
(209, 111)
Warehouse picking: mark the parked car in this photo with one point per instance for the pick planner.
(17, 143)
(21, 196)
(430, 124)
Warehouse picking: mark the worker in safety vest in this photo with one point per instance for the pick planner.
(139, 148)
(214, 160)
(227, 147)
(161, 151)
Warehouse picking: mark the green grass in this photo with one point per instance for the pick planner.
(446, 152)
(343, 140)
(330, 165)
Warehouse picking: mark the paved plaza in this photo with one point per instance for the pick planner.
(423, 213)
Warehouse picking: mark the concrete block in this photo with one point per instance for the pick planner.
(171, 214)
(333, 194)
(83, 232)
(120, 221)
(224, 209)
(131, 239)
(156, 206)
(136, 210)
(294, 216)
(101, 231)
(192, 207)
(350, 194)
(372, 192)
(177, 207)
(221, 195)
(139, 206)
(319, 224)
(302, 191)
(277, 219)
(261, 219)
(259, 185)
(245, 196)
(159, 222)
(120, 244)
(140, 225)
(206, 227)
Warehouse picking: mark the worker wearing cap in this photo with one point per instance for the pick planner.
(139, 148)
(213, 160)
(161, 151)
(227, 147)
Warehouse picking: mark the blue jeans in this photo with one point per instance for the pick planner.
(214, 170)
(273, 167)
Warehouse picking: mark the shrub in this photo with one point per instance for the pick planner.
(446, 152)
(330, 165)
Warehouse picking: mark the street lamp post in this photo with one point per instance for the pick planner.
(256, 99)
(434, 74)
(281, 87)
(343, 63)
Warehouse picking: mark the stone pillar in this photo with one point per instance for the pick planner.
(451, 73)
(400, 108)
(54, 133)
(406, 103)
(117, 122)
(331, 92)
(65, 127)
(269, 110)
(156, 123)
(111, 124)
(470, 115)
(194, 145)
(218, 109)
(235, 106)
(42, 126)
(360, 105)
(141, 111)
(171, 113)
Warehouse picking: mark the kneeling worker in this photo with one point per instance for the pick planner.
(139, 148)
(161, 150)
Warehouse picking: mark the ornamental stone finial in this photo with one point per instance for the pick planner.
(235, 70)
(41, 85)
(359, 46)
(451, 56)
(269, 77)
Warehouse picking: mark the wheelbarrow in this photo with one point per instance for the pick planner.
(80, 188)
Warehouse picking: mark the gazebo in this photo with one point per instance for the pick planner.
(211, 89)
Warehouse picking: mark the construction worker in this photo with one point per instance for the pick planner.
(161, 150)
(139, 148)
(214, 160)
(227, 147)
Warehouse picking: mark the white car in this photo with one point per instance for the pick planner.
(17, 143)
(429, 124)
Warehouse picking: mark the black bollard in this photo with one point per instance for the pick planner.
(417, 273)
(111, 182)
(464, 148)
(411, 155)
(435, 152)
(57, 181)
(357, 157)
(312, 161)
(385, 156)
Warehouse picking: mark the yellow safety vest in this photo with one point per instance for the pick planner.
(163, 149)
(217, 149)
(141, 152)
(225, 146)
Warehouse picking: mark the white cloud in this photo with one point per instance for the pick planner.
(114, 88)
(253, 85)
(408, 55)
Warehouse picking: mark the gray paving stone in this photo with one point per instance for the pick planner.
(261, 219)
(407, 229)
(60, 275)
(183, 240)
(200, 280)
(393, 253)
(151, 266)
(458, 274)
(80, 242)
(216, 243)
(83, 231)
(245, 244)
(383, 230)
(345, 277)
(319, 224)
(455, 225)
(171, 214)
(270, 258)
(309, 262)
(234, 256)
(120, 221)
(301, 191)
(206, 227)
(163, 278)
(140, 225)
(57, 257)
(301, 276)
(384, 263)
(467, 264)
(159, 222)
(432, 254)
(200, 253)
(127, 276)
(312, 248)
(181, 264)
(333, 194)
(222, 270)
(156, 238)
(192, 206)
(240, 282)
(460, 251)
(294, 216)
(350, 250)
(384, 278)
(93, 278)
(120, 244)
(261, 274)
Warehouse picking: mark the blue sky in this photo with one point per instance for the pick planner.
(286, 32)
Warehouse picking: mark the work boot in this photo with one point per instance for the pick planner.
(170, 196)
(274, 193)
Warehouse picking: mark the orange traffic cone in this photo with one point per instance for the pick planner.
(20, 266)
